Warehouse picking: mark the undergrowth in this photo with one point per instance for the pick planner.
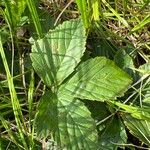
(74, 74)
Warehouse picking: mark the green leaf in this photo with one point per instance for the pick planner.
(139, 128)
(98, 79)
(46, 118)
(55, 56)
(144, 69)
(69, 121)
(113, 134)
(76, 128)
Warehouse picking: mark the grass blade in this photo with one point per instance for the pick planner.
(14, 100)
(124, 22)
(35, 17)
(95, 6)
(83, 8)
(145, 21)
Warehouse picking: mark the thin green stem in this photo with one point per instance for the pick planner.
(8, 18)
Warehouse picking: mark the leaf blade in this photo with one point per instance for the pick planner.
(98, 79)
(79, 127)
(60, 51)
(46, 117)
(68, 120)
(139, 128)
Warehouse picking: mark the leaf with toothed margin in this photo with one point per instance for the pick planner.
(55, 56)
(69, 121)
(138, 127)
(98, 79)
(76, 128)
(46, 116)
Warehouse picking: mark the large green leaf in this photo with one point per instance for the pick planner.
(55, 57)
(98, 79)
(76, 128)
(70, 121)
(139, 128)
